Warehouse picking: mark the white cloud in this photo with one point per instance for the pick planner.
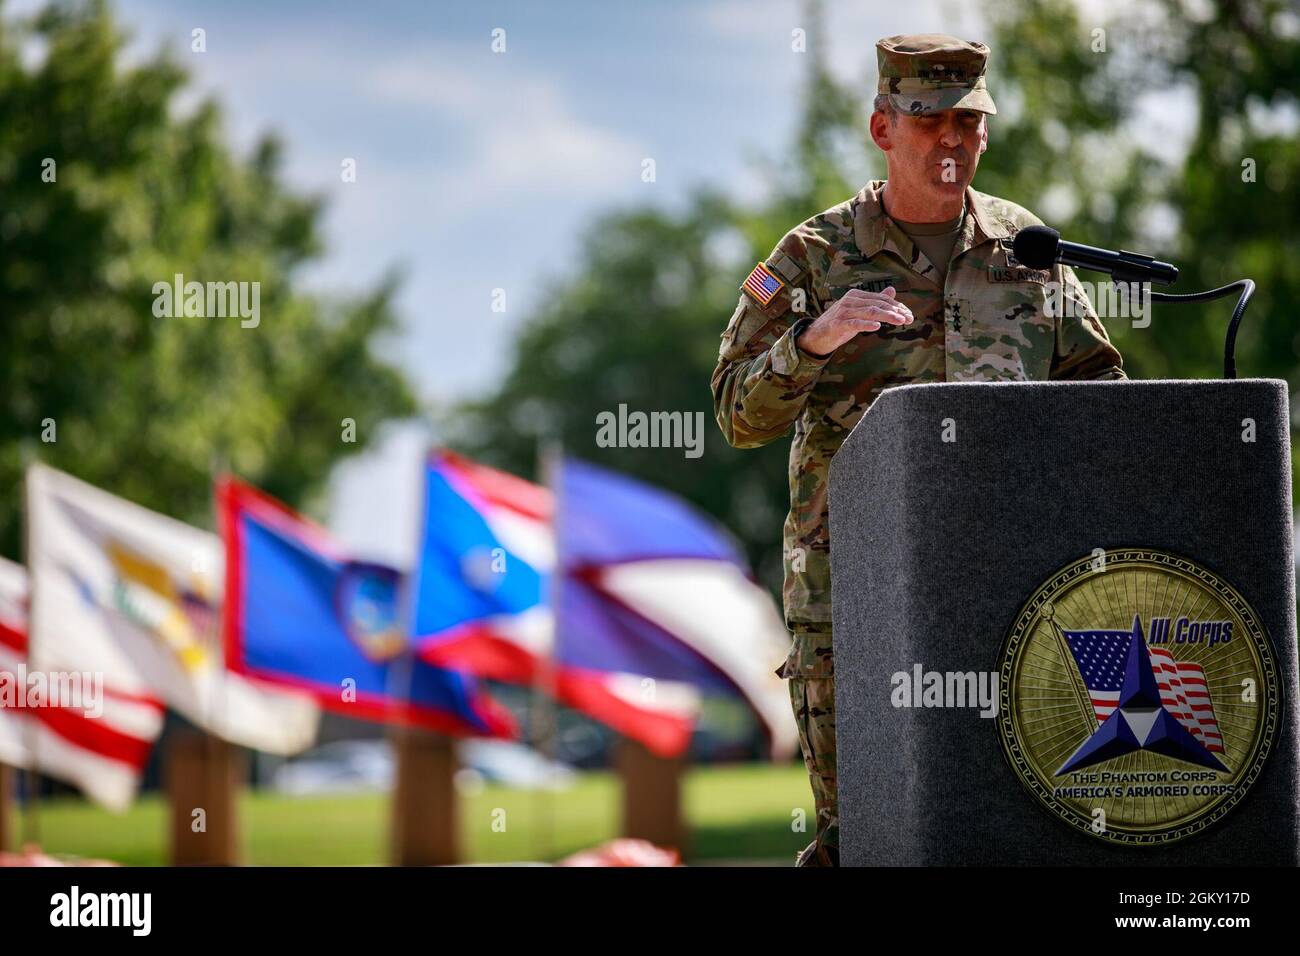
(851, 29)
(522, 132)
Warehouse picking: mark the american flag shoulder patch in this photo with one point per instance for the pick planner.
(762, 285)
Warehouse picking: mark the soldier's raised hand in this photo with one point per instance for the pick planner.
(856, 312)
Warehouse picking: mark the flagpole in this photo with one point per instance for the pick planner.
(31, 826)
(402, 671)
(546, 708)
(201, 768)
(425, 814)
(220, 751)
(217, 466)
(406, 597)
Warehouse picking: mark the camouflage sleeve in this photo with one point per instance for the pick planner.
(1083, 349)
(763, 379)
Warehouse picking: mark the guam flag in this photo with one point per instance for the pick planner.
(649, 607)
(300, 613)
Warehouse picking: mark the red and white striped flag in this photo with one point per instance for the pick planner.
(1186, 695)
(101, 747)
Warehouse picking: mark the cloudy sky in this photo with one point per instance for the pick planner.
(478, 170)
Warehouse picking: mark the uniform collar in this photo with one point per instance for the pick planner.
(874, 231)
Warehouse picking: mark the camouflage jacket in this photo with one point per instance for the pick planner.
(992, 320)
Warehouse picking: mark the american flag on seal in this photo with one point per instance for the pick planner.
(1184, 691)
(1101, 656)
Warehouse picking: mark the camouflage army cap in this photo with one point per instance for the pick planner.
(931, 72)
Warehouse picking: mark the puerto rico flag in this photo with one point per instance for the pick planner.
(301, 613)
(654, 607)
(482, 570)
(101, 752)
(482, 601)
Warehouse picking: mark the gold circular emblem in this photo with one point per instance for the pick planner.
(1138, 697)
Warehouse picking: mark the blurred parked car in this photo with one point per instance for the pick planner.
(351, 766)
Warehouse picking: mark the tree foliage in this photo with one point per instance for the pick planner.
(145, 405)
(638, 321)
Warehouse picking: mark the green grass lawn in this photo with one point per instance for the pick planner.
(741, 812)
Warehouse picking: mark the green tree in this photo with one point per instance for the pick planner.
(1074, 128)
(110, 189)
(638, 322)
(642, 330)
(1237, 192)
(1229, 206)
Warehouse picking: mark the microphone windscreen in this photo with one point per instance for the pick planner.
(1035, 246)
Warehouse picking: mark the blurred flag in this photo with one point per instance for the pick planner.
(481, 601)
(101, 750)
(300, 613)
(479, 586)
(642, 630)
(136, 595)
(653, 588)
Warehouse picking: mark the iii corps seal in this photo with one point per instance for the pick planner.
(1139, 696)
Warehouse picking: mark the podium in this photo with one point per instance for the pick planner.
(1064, 625)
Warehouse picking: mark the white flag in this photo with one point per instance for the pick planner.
(99, 744)
(136, 596)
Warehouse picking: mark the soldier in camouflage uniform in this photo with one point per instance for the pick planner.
(911, 280)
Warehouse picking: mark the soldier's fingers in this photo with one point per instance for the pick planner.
(895, 316)
(862, 295)
(884, 303)
(871, 300)
(893, 312)
(864, 325)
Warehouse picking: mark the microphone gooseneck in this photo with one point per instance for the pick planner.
(1247, 287)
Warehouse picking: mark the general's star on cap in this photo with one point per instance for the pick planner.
(1140, 720)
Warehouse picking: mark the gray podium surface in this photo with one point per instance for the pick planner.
(936, 545)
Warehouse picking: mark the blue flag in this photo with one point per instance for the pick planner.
(301, 614)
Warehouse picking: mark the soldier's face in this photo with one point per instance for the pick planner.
(934, 155)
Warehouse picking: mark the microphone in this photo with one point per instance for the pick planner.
(1039, 247)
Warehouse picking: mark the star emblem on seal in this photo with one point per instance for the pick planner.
(1141, 721)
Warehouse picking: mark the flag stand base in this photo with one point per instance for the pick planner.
(424, 820)
(652, 795)
(203, 777)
